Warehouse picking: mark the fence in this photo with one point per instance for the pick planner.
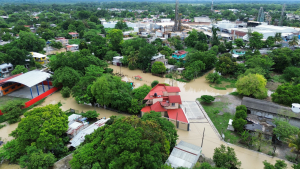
(179, 124)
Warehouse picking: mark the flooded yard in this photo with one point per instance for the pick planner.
(189, 91)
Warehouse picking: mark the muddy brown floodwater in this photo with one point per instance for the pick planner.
(189, 91)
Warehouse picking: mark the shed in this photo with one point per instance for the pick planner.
(138, 77)
(184, 155)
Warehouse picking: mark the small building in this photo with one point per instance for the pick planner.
(165, 20)
(38, 57)
(72, 47)
(74, 35)
(180, 70)
(73, 117)
(5, 69)
(8, 87)
(159, 58)
(179, 54)
(184, 155)
(62, 40)
(138, 77)
(53, 25)
(239, 52)
(270, 110)
(117, 60)
(76, 127)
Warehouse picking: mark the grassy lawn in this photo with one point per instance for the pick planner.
(220, 121)
(74, 41)
(5, 99)
(225, 83)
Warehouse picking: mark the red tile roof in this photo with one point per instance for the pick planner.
(6, 79)
(175, 99)
(73, 33)
(158, 89)
(173, 113)
(146, 109)
(157, 107)
(181, 52)
(171, 89)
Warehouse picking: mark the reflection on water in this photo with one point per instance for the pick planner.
(189, 91)
(9, 166)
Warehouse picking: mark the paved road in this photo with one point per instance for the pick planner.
(250, 159)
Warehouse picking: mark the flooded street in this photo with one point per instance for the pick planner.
(189, 91)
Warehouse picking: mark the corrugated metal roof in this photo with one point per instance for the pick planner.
(31, 78)
(184, 155)
(79, 138)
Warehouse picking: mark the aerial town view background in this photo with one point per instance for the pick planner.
(170, 84)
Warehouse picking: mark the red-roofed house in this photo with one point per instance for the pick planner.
(179, 54)
(74, 35)
(167, 101)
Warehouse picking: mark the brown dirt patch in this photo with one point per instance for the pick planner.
(272, 85)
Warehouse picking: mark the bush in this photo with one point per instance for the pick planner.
(154, 83)
(65, 92)
(12, 111)
(238, 124)
(290, 73)
(213, 77)
(241, 107)
(38, 65)
(240, 114)
(207, 98)
(252, 85)
(172, 61)
(91, 114)
(19, 69)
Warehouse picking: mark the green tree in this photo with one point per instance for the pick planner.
(98, 46)
(65, 76)
(84, 14)
(255, 41)
(191, 39)
(263, 62)
(284, 129)
(145, 55)
(287, 94)
(19, 69)
(290, 73)
(283, 57)
(215, 40)
(252, 85)
(213, 77)
(91, 114)
(121, 25)
(132, 60)
(193, 70)
(225, 157)
(167, 127)
(57, 45)
(154, 83)
(294, 41)
(207, 98)
(270, 41)
(141, 92)
(238, 124)
(65, 92)
(112, 145)
(30, 42)
(239, 43)
(225, 65)
(93, 18)
(35, 158)
(280, 164)
(110, 54)
(278, 37)
(115, 38)
(89, 35)
(158, 68)
(12, 111)
(101, 91)
(201, 46)
(135, 106)
(48, 34)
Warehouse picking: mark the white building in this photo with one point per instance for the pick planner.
(202, 19)
(73, 47)
(160, 58)
(165, 20)
(5, 69)
(117, 60)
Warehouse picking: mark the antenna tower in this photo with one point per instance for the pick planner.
(175, 28)
(261, 15)
(281, 17)
(212, 6)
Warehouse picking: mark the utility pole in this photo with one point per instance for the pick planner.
(203, 137)
(175, 28)
(120, 68)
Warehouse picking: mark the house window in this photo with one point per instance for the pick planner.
(173, 104)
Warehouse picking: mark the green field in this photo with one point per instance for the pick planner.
(5, 99)
(52, 57)
(220, 121)
(74, 41)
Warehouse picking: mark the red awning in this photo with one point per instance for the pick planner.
(173, 113)
(138, 76)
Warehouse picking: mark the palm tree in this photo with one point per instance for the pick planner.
(293, 42)
(294, 143)
(278, 37)
(132, 58)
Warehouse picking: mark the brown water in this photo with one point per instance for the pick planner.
(189, 91)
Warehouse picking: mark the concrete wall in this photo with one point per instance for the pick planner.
(157, 100)
(293, 121)
(172, 94)
(183, 125)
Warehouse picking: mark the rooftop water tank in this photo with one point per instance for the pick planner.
(296, 108)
